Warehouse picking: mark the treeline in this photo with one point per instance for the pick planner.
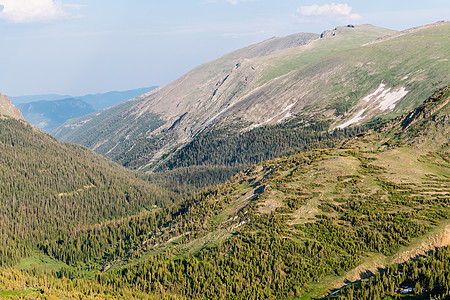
(189, 180)
(426, 277)
(226, 145)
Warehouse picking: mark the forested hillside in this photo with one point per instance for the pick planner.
(50, 191)
(291, 227)
(425, 277)
(294, 227)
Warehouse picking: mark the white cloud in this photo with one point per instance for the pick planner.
(340, 12)
(30, 11)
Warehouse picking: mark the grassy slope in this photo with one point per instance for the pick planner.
(418, 61)
(283, 62)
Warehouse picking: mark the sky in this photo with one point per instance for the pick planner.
(77, 47)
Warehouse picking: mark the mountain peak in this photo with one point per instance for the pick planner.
(7, 108)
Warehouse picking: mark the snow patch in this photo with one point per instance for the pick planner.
(379, 90)
(216, 116)
(386, 97)
(353, 120)
(390, 99)
(219, 114)
(382, 99)
(288, 115)
(186, 138)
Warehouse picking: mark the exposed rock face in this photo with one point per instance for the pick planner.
(327, 33)
(6, 107)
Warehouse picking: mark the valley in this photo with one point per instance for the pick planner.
(303, 167)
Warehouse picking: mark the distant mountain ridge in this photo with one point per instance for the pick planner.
(343, 79)
(31, 98)
(48, 115)
(48, 112)
(98, 100)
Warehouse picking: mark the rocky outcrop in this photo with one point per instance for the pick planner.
(7, 108)
(328, 33)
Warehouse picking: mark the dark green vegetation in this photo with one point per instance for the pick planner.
(291, 227)
(50, 191)
(423, 278)
(226, 147)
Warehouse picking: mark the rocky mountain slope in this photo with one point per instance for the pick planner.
(238, 86)
(345, 78)
(7, 108)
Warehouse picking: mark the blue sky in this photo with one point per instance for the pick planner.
(78, 46)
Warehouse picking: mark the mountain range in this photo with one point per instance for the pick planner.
(305, 167)
(351, 76)
(48, 112)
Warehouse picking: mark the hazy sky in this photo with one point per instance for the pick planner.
(79, 46)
